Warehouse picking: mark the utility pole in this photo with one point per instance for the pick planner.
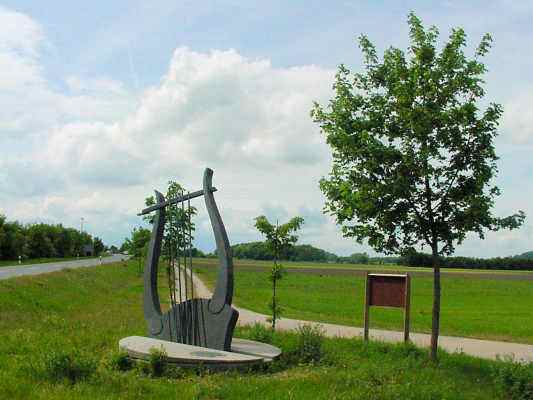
(81, 231)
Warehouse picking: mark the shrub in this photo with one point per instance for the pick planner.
(72, 367)
(515, 379)
(261, 333)
(119, 361)
(157, 362)
(310, 339)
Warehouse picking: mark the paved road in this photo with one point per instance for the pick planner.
(479, 348)
(35, 269)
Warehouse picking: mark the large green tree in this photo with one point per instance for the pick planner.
(279, 239)
(413, 151)
(39, 240)
(12, 239)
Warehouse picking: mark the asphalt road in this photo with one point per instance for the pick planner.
(35, 269)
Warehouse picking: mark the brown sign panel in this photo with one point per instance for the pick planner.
(387, 290)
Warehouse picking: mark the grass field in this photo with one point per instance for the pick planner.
(15, 263)
(481, 308)
(59, 334)
(360, 267)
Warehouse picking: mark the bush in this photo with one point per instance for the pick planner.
(261, 333)
(515, 379)
(72, 367)
(119, 361)
(157, 362)
(310, 340)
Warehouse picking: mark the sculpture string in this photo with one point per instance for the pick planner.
(189, 320)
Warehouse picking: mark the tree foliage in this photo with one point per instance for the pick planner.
(136, 245)
(516, 263)
(40, 240)
(262, 251)
(279, 238)
(413, 152)
(179, 227)
(99, 246)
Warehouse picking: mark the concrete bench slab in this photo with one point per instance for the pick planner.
(247, 353)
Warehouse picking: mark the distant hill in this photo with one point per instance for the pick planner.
(528, 255)
(305, 252)
(301, 252)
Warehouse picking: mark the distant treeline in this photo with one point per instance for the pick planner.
(260, 251)
(301, 252)
(305, 252)
(43, 241)
(520, 262)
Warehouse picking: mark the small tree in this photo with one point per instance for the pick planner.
(413, 154)
(178, 222)
(279, 239)
(98, 246)
(137, 244)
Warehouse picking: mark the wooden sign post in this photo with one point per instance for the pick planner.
(388, 290)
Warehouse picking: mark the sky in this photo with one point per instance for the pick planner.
(103, 102)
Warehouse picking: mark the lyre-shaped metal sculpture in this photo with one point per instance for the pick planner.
(201, 322)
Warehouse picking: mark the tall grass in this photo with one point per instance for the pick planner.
(59, 334)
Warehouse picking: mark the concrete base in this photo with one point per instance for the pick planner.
(244, 354)
(257, 349)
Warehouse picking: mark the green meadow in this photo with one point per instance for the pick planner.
(59, 335)
(498, 309)
(386, 268)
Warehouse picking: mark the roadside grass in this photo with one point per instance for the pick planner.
(59, 335)
(391, 268)
(30, 261)
(479, 308)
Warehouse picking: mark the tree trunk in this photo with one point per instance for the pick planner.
(274, 303)
(435, 324)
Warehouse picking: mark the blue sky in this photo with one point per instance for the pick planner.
(105, 101)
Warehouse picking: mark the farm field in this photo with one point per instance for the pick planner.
(59, 334)
(497, 309)
(255, 264)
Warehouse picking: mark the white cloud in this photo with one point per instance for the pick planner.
(217, 108)
(20, 41)
(518, 117)
(31, 105)
(89, 150)
(96, 149)
(19, 33)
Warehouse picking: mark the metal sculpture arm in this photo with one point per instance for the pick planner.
(223, 293)
(176, 200)
(152, 307)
